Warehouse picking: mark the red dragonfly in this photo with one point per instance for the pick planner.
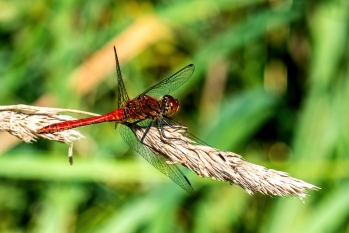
(153, 107)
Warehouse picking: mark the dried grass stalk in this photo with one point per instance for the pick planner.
(23, 121)
(222, 165)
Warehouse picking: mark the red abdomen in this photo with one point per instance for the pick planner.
(116, 115)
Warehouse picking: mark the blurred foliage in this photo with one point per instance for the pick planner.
(271, 83)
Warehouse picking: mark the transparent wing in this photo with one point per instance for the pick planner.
(122, 93)
(172, 83)
(173, 123)
(156, 159)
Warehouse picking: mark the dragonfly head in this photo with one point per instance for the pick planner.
(170, 106)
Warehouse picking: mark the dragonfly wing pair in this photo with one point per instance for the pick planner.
(155, 158)
(162, 88)
(172, 83)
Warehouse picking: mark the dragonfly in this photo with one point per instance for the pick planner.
(153, 108)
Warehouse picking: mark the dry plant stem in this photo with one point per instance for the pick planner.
(23, 121)
(42, 110)
(222, 165)
(70, 153)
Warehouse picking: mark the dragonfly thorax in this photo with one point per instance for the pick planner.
(170, 106)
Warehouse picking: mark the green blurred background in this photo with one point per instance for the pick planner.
(271, 83)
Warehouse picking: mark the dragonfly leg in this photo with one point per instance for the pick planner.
(162, 129)
(146, 132)
(177, 123)
(167, 123)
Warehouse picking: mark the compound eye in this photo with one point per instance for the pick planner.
(171, 105)
(178, 106)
